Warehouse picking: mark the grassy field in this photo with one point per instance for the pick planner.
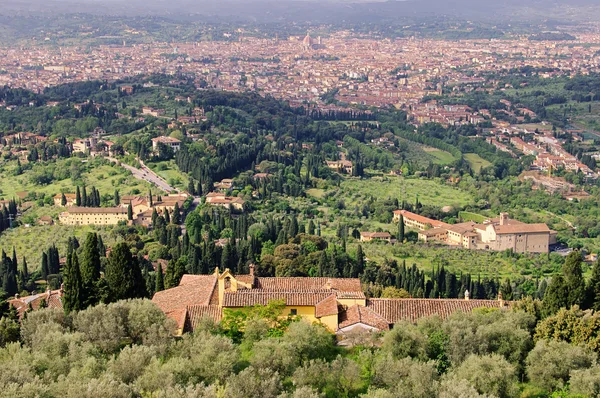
(476, 162)
(441, 157)
(106, 177)
(468, 216)
(430, 192)
(171, 173)
(30, 242)
(315, 193)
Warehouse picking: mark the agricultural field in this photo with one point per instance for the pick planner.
(30, 242)
(64, 175)
(430, 192)
(441, 157)
(476, 162)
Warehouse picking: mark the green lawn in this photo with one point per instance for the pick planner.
(476, 162)
(430, 192)
(441, 157)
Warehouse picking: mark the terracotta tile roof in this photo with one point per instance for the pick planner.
(421, 219)
(462, 227)
(192, 290)
(248, 298)
(97, 210)
(308, 284)
(52, 298)
(376, 235)
(195, 313)
(359, 314)
(521, 228)
(394, 310)
(327, 306)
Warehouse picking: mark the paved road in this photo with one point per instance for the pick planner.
(147, 175)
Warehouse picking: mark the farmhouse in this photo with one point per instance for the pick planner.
(337, 303)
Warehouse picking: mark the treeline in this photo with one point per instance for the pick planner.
(334, 115)
(83, 199)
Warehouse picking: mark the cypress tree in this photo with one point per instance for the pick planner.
(360, 261)
(150, 197)
(160, 281)
(78, 197)
(401, 229)
(72, 286)
(45, 270)
(90, 269)
(101, 247)
(129, 212)
(556, 296)
(176, 219)
(117, 197)
(84, 197)
(25, 270)
(63, 200)
(574, 281)
(123, 275)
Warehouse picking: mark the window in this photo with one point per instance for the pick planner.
(293, 312)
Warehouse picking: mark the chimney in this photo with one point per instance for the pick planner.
(466, 295)
(251, 268)
(328, 284)
(503, 218)
(17, 296)
(500, 300)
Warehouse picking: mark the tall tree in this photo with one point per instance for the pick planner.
(123, 274)
(176, 218)
(72, 286)
(90, 269)
(78, 197)
(84, 197)
(45, 269)
(593, 288)
(117, 197)
(129, 212)
(574, 281)
(401, 229)
(63, 200)
(160, 279)
(556, 296)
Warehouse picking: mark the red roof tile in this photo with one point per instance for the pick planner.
(359, 314)
(308, 284)
(327, 306)
(394, 310)
(195, 313)
(192, 290)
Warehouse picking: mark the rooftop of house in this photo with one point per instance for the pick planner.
(97, 210)
(52, 298)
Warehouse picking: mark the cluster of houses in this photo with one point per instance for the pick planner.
(337, 303)
(497, 234)
(142, 209)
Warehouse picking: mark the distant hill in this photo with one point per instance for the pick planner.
(332, 11)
